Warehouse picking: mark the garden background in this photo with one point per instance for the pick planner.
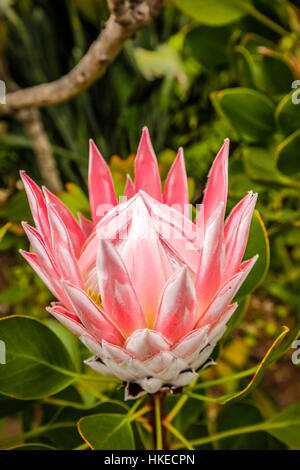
(201, 71)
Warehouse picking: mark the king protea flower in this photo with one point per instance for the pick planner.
(145, 288)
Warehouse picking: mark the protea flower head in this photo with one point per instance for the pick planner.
(145, 288)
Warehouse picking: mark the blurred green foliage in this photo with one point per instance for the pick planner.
(201, 72)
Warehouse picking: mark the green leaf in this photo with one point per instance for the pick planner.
(258, 243)
(260, 165)
(212, 12)
(37, 362)
(69, 340)
(250, 112)
(275, 351)
(107, 432)
(287, 115)
(33, 446)
(209, 45)
(9, 406)
(163, 62)
(288, 160)
(285, 426)
(16, 209)
(235, 415)
(275, 76)
(246, 66)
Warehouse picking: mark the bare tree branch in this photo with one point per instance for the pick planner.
(32, 122)
(127, 17)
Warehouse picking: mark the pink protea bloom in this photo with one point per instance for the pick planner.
(147, 290)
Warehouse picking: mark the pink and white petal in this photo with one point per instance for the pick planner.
(76, 235)
(143, 253)
(218, 329)
(225, 295)
(177, 232)
(217, 185)
(214, 335)
(128, 370)
(159, 363)
(143, 344)
(200, 226)
(114, 353)
(211, 265)
(171, 372)
(49, 275)
(38, 244)
(234, 218)
(176, 187)
(44, 264)
(151, 384)
(235, 245)
(38, 207)
(85, 225)
(185, 378)
(203, 358)
(146, 168)
(68, 319)
(191, 343)
(96, 364)
(91, 344)
(177, 311)
(94, 320)
(115, 222)
(101, 188)
(117, 292)
(129, 190)
(63, 252)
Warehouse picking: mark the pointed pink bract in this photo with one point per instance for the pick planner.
(101, 189)
(146, 168)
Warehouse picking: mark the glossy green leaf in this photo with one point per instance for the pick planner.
(250, 112)
(107, 432)
(242, 414)
(37, 362)
(212, 12)
(245, 67)
(276, 76)
(16, 208)
(209, 45)
(285, 426)
(9, 406)
(162, 62)
(287, 115)
(69, 340)
(288, 160)
(33, 446)
(258, 243)
(260, 165)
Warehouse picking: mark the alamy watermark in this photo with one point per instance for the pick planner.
(2, 352)
(167, 222)
(296, 94)
(2, 92)
(296, 354)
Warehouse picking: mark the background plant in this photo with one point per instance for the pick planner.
(200, 72)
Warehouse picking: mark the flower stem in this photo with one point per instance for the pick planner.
(157, 407)
(158, 424)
